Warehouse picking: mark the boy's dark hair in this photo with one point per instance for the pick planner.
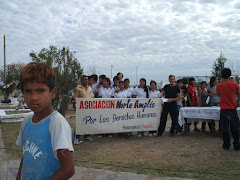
(83, 76)
(179, 81)
(226, 73)
(153, 82)
(121, 82)
(203, 82)
(191, 79)
(116, 78)
(103, 76)
(40, 72)
(95, 77)
(126, 80)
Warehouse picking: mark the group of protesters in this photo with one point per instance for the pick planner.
(178, 94)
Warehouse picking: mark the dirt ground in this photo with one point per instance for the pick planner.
(197, 154)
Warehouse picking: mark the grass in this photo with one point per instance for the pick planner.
(196, 155)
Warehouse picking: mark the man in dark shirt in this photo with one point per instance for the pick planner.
(172, 93)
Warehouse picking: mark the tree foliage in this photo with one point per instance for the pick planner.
(217, 67)
(68, 72)
(12, 75)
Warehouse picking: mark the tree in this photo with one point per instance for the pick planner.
(12, 75)
(68, 72)
(217, 67)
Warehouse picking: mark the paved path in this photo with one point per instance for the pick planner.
(9, 168)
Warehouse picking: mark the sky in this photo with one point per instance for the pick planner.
(148, 39)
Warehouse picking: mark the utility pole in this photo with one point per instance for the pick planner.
(4, 45)
(111, 71)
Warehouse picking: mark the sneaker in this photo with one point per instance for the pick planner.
(110, 136)
(144, 134)
(88, 139)
(179, 133)
(150, 134)
(139, 135)
(76, 141)
(225, 148)
(99, 136)
(237, 148)
(154, 134)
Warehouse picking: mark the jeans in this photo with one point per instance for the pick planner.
(229, 117)
(172, 109)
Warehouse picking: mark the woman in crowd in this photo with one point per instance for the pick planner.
(127, 87)
(106, 92)
(202, 101)
(141, 91)
(214, 97)
(153, 93)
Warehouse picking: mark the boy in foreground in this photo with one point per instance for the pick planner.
(45, 136)
(228, 91)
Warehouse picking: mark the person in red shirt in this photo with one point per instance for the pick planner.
(192, 99)
(229, 99)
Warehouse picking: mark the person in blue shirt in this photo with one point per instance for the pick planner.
(45, 135)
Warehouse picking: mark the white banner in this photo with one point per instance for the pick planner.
(108, 115)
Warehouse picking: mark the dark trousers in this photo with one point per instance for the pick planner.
(172, 109)
(229, 117)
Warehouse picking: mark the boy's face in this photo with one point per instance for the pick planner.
(116, 82)
(100, 80)
(204, 85)
(127, 82)
(192, 82)
(105, 83)
(180, 84)
(38, 97)
(153, 86)
(121, 85)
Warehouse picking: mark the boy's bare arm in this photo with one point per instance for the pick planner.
(66, 169)
(189, 100)
(237, 98)
(19, 171)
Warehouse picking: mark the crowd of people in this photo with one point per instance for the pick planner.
(178, 94)
(46, 137)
